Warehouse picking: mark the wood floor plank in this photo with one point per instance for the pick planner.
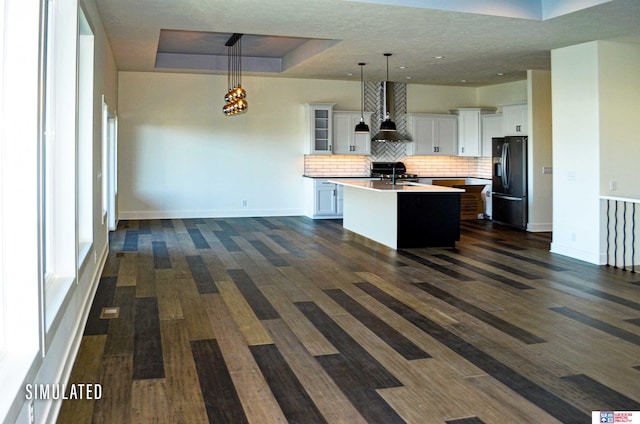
(186, 404)
(167, 290)
(196, 320)
(147, 345)
(201, 275)
(116, 401)
(103, 298)
(86, 370)
(244, 317)
(145, 272)
(307, 334)
(500, 324)
(551, 403)
(258, 402)
(387, 333)
(220, 397)
(149, 403)
(121, 329)
(127, 271)
(330, 400)
(295, 402)
(260, 305)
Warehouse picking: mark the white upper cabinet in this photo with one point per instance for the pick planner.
(432, 134)
(345, 140)
(492, 126)
(320, 128)
(516, 119)
(470, 130)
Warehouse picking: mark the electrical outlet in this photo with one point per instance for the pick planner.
(613, 185)
(547, 170)
(244, 203)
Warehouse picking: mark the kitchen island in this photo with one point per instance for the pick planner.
(402, 215)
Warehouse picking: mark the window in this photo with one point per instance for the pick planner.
(59, 156)
(2, 294)
(85, 137)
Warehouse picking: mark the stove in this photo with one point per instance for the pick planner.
(386, 171)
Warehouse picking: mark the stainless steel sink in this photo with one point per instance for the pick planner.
(406, 183)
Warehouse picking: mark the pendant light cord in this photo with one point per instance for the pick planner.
(362, 91)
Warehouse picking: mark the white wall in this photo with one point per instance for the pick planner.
(439, 99)
(540, 151)
(619, 71)
(595, 127)
(499, 94)
(179, 156)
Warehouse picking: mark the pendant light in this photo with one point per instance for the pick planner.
(362, 127)
(387, 124)
(235, 99)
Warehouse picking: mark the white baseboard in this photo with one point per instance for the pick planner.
(183, 214)
(542, 227)
(596, 258)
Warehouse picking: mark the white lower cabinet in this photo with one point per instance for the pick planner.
(323, 199)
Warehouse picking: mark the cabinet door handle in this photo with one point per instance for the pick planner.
(329, 147)
(462, 149)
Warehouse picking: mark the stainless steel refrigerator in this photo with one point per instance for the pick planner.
(509, 190)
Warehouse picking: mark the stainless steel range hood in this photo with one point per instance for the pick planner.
(388, 131)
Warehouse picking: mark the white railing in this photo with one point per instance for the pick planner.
(622, 231)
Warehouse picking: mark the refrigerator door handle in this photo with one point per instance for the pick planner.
(500, 196)
(505, 168)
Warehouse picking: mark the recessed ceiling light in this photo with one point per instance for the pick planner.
(349, 74)
(402, 67)
(407, 77)
(438, 57)
(463, 80)
(500, 74)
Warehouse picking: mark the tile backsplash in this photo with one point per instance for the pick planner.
(426, 166)
(336, 166)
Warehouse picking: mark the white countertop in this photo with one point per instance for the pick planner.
(400, 186)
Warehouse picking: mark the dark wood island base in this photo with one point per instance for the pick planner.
(428, 219)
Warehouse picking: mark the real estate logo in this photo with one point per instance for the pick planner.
(615, 417)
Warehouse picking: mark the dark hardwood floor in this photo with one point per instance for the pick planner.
(276, 320)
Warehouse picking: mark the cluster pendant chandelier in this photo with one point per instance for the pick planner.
(235, 99)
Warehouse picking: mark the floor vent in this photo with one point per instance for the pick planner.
(110, 312)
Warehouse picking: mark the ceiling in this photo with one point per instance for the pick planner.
(325, 39)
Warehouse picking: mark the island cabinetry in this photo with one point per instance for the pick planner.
(432, 134)
(492, 126)
(345, 140)
(402, 215)
(428, 219)
(516, 119)
(320, 128)
(470, 130)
